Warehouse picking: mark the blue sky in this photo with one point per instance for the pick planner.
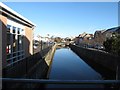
(66, 19)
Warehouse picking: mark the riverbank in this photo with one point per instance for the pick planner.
(104, 63)
(66, 65)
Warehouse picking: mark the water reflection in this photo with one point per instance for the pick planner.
(67, 65)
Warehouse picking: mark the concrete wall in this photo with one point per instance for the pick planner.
(50, 54)
(3, 21)
(103, 60)
(28, 41)
(3, 30)
(35, 67)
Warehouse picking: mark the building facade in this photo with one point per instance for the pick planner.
(16, 33)
(84, 39)
(102, 35)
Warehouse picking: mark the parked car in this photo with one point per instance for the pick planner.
(35, 46)
(99, 47)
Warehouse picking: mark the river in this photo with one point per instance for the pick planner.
(66, 65)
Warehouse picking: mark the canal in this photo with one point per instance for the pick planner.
(66, 65)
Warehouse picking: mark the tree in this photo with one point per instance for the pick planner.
(58, 39)
(112, 45)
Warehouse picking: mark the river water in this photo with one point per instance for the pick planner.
(66, 65)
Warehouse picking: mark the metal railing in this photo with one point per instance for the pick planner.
(51, 81)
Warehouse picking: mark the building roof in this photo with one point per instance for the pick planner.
(3, 6)
(113, 29)
(83, 35)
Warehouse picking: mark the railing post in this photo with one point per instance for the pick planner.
(118, 69)
(41, 45)
(118, 72)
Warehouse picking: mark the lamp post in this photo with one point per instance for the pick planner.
(48, 39)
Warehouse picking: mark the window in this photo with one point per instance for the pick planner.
(14, 46)
(18, 31)
(8, 28)
(22, 32)
(14, 29)
(14, 43)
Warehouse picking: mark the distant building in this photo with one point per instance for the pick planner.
(84, 38)
(76, 40)
(43, 39)
(99, 37)
(16, 36)
(102, 35)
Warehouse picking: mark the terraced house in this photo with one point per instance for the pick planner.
(16, 36)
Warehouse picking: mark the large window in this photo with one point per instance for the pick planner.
(14, 47)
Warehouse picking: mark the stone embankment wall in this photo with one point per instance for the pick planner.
(103, 62)
(50, 54)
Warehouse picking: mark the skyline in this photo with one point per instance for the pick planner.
(68, 19)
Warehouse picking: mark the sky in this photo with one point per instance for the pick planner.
(66, 19)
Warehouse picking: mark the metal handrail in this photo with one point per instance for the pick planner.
(51, 81)
(16, 61)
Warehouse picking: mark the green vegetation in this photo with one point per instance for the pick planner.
(112, 45)
(58, 40)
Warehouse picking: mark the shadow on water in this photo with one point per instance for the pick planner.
(67, 65)
(105, 72)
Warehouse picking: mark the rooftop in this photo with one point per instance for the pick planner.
(3, 6)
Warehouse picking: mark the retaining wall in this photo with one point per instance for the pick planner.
(34, 67)
(101, 61)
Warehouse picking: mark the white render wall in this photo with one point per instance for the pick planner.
(13, 23)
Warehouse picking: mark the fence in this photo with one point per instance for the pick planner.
(106, 84)
(39, 46)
